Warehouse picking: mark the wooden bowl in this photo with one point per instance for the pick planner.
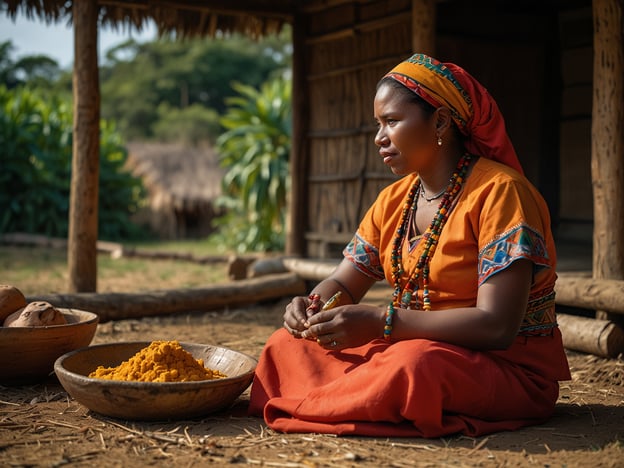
(27, 354)
(153, 401)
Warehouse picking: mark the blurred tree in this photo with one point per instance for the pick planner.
(37, 70)
(34, 70)
(137, 79)
(146, 87)
(7, 66)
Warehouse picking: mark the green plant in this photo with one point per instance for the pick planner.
(255, 150)
(36, 155)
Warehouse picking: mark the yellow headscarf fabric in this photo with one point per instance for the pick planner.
(473, 109)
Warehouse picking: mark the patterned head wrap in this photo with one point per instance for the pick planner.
(472, 108)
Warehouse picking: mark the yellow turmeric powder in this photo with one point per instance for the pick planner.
(161, 361)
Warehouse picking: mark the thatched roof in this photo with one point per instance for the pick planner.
(183, 18)
(189, 175)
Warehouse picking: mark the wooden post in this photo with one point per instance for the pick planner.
(83, 205)
(423, 26)
(298, 200)
(607, 158)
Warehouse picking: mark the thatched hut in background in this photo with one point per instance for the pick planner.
(182, 183)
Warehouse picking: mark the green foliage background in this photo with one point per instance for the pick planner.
(146, 87)
(36, 142)
(189, 91)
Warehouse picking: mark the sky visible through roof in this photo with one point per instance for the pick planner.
(56, 40)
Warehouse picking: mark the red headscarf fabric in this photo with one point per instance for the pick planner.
(473, 109)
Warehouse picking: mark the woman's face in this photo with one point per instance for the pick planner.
(406, 135)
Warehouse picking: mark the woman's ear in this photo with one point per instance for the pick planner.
(443, 120)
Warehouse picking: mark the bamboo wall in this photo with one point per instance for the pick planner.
(536, 62)
(348, 49)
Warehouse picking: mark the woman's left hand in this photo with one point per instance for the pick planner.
(345, 326)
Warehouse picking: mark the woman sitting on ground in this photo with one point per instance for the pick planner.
(468, 342)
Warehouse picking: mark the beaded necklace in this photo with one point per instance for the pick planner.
(402, 297)
(430, 199)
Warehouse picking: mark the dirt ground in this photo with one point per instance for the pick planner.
(40, 425)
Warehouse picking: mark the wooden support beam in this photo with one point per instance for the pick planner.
(83, 204)
(298, 199)
(607, 158)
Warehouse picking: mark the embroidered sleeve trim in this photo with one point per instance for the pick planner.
(520, 241)
(365, 257)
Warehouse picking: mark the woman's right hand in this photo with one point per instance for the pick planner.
(346, 278)
(296, 315)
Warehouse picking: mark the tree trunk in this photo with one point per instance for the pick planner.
(607, 159)
(83, 209)
(118, 306)
(423, 26)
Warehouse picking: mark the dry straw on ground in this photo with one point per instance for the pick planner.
(41, 425)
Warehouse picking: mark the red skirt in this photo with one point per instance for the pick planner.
(413, 388)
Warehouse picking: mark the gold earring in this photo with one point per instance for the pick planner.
(439, 141)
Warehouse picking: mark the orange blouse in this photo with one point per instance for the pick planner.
(499, 217)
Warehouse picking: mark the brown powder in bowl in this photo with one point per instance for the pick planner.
(161, 361)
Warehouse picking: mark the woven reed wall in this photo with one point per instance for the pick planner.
(351, 44)
(348, 50)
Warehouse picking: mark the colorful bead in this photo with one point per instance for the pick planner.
(388, 323)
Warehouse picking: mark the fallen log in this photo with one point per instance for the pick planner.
(129, 252)
(118, 306)
(589, 335)
(313, 270)
(37, 240)
(588, 293)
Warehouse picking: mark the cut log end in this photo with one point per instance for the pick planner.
(600, 337)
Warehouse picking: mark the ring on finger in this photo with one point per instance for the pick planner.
(332, 343)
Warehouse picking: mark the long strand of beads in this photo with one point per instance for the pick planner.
(421, 271)
(397, 268)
